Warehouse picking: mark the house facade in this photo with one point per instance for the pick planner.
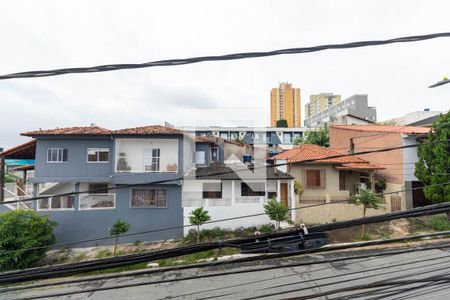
(325, 180)
(119, 169)
(398, 165)
(151, 177)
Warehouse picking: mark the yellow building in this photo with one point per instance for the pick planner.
(285, 104)
(320, 102)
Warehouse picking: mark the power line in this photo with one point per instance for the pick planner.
(443, 208)
(234, 56)
(226, 172)
(251, 270)
(205, 265)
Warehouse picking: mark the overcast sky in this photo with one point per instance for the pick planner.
(56, 34)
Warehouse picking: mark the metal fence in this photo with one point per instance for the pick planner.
(56, 203)
(97, 201)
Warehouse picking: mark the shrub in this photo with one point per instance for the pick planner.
(439, 223)
(118, 228)
(276, 211)
(198, 217)
(23, 229)
(266, 228)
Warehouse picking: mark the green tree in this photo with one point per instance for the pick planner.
(276, 211)
(318, 137)
(368, 200)
(433, 165)
(22, 229)
(118, 228)
(298, 140)
(282, 123)
(198, 217)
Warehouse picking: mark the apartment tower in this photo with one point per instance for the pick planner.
(285, 104)
(320, 102)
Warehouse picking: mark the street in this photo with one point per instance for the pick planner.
(280, 283)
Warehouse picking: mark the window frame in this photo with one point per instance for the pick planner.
(254, 193)
(98, 150)
(66, 150)
(217, 197)
(321, 179)
(153, 207)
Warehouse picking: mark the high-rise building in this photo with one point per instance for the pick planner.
(285, 105)
(320, 102)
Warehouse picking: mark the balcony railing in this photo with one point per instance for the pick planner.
(56, 203)
(97, 201)
(123, 166)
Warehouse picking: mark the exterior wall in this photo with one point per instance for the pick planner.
(188, 152)
(356, 105)
(75, 225)
(392, 161)
(232, 150)
(192, 189)
(134, 150)
(76, 166)
(331, 180)
(334, 212)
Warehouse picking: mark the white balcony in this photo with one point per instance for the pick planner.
(51, 203)
(146, 155)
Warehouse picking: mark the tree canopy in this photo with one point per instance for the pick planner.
(282, 123)
(433, 166)
(318, 137)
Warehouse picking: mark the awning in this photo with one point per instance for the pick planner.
(22, 151)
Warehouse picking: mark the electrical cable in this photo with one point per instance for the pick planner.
(234, 56)
(387, 149)
(201, 265)
(69, 269)
(217, 274)
(438, 208)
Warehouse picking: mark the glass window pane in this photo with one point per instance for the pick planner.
(103, 156)
(54, 155)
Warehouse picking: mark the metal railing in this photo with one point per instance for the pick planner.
(311, 200)
(97, 201)
(56, 203)
(249, 199)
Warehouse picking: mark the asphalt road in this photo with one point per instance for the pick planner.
(281, 283)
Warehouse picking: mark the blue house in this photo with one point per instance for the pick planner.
(106, 162)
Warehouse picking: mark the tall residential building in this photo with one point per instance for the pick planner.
(320, 102)
(351, 111)
(285, 104)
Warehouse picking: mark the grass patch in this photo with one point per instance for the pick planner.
(439, 223)
(103, 253)
(363, 237)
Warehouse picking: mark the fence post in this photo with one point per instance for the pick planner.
(76, 201)
(327, 198)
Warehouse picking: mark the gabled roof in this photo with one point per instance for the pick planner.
(384, 128)
(70, 131)
(320, 155)
(23, 151)
(148, 130)
(224, 172)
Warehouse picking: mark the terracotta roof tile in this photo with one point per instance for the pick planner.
(224, 172)
(384, 128)
(206, 139)
(307, 152)
(23, 151)
(83, 130)
(149, 130)
(361, 166)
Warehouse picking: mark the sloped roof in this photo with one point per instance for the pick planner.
(23, 151)
(319, 155)
(384, 128)
(70, 131)
(224, 172)
(149, 130)
(362, 166)
(206, 139)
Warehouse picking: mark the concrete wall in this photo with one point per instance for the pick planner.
(75, 225)
(76, 165)
(334, 212)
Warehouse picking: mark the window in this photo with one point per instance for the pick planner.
(315, 179)
(212, 190)
(98, 188)
(224, 135)
(152, 159)
(97, 155)
(215, 154)
(342, 180)
(253, 189)
(148, 198)
(200, 157)
(287, 137)
(57, 155)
